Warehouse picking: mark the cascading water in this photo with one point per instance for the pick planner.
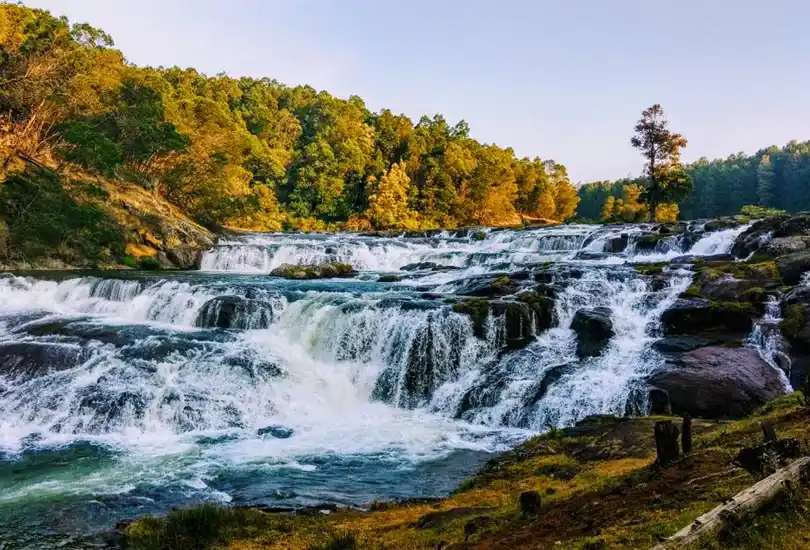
(129, 394)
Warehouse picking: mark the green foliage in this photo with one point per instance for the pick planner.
(45, 218)
(664, 178)
(724, 187)
(129, 261)
(756, 211)
(149, 264)
(254, 153)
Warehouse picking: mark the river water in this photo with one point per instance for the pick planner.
(120, 396)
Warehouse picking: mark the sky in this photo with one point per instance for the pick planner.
(562, 80)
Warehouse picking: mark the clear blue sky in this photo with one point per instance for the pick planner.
(557, 79)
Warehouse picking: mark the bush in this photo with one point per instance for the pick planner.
(756, 211)
(129, 261)
(149, 264)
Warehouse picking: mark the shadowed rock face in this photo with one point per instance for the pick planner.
(594, 330)
(717, 382)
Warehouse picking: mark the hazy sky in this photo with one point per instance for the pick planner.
(557, 79)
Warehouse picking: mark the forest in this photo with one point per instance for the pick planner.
(244, 152)
(774, 178)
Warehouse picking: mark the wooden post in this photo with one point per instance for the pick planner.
(666, 442)
(686, 434)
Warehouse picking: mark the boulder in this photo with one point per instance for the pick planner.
(718, 382)
(279, 432)
(618, 244)
(792, 266)
(31, 359)
(647, 242)
(594, 329)
(724, 320)
(427, 266)
(389, 279)
(328, 270)
(680, 344)
(488, 286)
(518, 319)
(234, 312)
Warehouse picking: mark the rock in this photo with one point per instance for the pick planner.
(185, 258)
(594, 330)
(545, 312)
(729, 289)
(647, 242)
(726, 320)
(674, 228)
(488, 286)
(328, 270)
(234, 312)
(792, 266)
(389, 279)
(658, 400)
(588, 255)
(786, 245)
(518, 318)
(31, 359)
(718, 382)
(721, 223)
(478, 310)
(427, 266)
(279, 432)
(680, 344)
(618, 244)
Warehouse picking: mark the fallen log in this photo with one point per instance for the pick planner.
(745, 502)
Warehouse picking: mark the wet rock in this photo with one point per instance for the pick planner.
(478, 310)
(30, 359)
(719, 224)
(518, 320)
(760, 236)
(279, 432)
(185, 258)
(680, 344)
(718, 382)
(488, 286)
(389, 279)
(792, 266)
(594, 330)
(618, 244)
(545, 314)
(725, 320)
(234, 312)
(647, 242)
(427, 266)
(330, 270)
(786, 245)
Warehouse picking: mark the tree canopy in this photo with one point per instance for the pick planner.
(248, 152)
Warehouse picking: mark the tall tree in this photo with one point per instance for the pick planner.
(665, 179)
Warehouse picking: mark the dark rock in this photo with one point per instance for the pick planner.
(518, 322)
(529, 503)
(279, 432)
(488, 286)
(389, 279)
(30, 359)
(792, 266)
(721, 223)
(729, 289)
(185, 258)
(698, 315)
(545, 313)
(234, 312)
(688, 258)
(594, 330)
(588, 255)
(674, 228)
(427, 266)
(550, 377)
(478, 310)
(666, 442)
(329, 270)
(680, 344)
(718, 382)
(647, 242)
(659, 402)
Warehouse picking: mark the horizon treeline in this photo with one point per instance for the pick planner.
(252, 153)
(773, 178)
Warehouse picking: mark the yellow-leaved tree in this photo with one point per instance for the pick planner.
(388, 200)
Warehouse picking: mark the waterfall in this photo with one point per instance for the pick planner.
(165, 381)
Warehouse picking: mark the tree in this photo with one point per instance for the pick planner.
(388, 200)
(665, 179)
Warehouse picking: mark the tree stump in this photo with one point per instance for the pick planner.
(686, 434)
(667, 446)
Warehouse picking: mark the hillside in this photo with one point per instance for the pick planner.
(241, 153)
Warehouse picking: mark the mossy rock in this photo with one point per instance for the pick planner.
(478, 310)
(793, 320)
(329, 270)
(479, 236)
(650, 269)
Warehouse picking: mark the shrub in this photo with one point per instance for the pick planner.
(149, 264)
(756, 211)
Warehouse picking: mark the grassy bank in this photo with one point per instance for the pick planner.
(598, 485)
